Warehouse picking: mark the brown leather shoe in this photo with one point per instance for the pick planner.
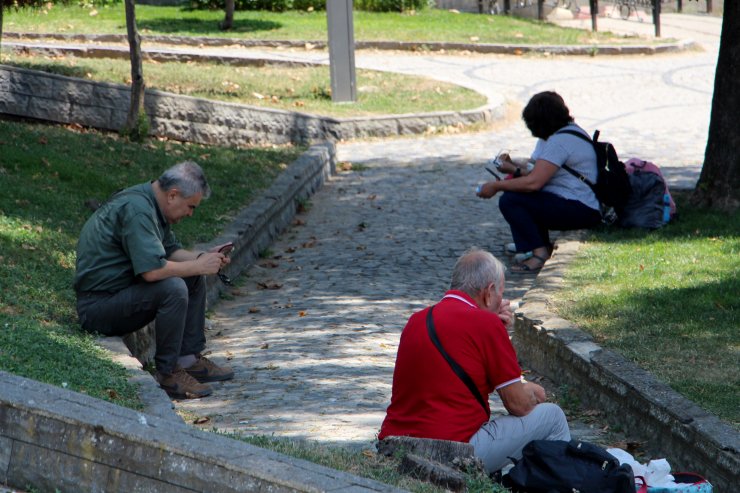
(205, 370)
(180, 385)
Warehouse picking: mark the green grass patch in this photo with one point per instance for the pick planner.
(667, 300)
(47, 174)
(365, 463)
(303, 89)
(428, 25)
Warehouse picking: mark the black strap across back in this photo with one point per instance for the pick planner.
(453, 364)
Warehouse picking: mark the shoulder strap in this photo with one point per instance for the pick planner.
(568, 168)
(453, 364)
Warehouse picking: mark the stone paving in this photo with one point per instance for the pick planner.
(312, 330)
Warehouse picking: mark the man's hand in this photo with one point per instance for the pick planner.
(537, 391)
(211, 263)
(505, 313)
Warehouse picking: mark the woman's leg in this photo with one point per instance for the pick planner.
(532, 215)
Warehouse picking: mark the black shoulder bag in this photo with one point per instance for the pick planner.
(453, 364)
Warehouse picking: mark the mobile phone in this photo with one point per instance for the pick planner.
(227, 248)
(498, 178)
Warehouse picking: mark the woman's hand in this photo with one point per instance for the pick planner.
(487, 190)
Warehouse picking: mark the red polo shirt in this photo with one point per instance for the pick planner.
(428, 399)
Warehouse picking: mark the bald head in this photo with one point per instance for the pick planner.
(475, 270)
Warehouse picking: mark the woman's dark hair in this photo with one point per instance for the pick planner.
(545, 114)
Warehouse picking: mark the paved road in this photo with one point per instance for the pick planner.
(313, 330)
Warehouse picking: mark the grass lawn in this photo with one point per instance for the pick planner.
(430, 25)
(667, 300)
(303, 89)
(47, 173)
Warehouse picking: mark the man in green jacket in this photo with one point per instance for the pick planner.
(131, 270)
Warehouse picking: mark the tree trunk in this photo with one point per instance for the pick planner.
(719, 182)
(2, 6)
(228, 22)
(137, 74)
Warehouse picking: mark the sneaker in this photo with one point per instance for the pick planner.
(180, 385)
(205, 370)
(510, 248)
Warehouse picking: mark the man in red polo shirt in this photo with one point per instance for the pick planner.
(429, 400)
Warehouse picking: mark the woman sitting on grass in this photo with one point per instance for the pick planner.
(546, 197)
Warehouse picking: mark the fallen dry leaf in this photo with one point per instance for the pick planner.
(301, 313)
(269, 285)
(254, 309)
(265, 346)
(202, 420)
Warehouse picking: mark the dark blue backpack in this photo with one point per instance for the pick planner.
(557, 466)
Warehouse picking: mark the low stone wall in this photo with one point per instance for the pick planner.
(256, 227)
(58, 440)
(44, 96)
(691, 438)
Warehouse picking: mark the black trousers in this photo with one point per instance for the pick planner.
(531, 216)
(178, 305)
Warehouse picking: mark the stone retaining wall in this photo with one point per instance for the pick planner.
(632, 398)
(58, 440)
(44, 96)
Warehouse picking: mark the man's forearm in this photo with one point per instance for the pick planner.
(183, 255)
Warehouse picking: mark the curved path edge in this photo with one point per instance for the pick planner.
(631, 397)
(44, 96)
(424, 46)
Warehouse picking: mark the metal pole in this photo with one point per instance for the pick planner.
(656, 17)
(341, 50)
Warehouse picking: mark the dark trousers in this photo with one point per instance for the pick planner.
(178, 305)
(532, 215)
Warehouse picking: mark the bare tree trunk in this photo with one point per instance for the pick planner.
(137, 74)
(719, 182)
(228, 22)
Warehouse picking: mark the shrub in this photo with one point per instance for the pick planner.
(390, 5)
(307, 4)
(271, 5)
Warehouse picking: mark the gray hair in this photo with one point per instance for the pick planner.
(187, 177)
(475, 270)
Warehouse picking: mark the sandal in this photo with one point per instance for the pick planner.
(522, 268)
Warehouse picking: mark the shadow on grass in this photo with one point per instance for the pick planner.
(205, 26)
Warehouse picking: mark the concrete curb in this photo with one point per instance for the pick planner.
(59, 440)
(510, 49)
(632, 398)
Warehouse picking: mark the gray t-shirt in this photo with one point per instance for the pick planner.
(568, 149)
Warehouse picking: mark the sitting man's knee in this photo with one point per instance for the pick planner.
(174, 287)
